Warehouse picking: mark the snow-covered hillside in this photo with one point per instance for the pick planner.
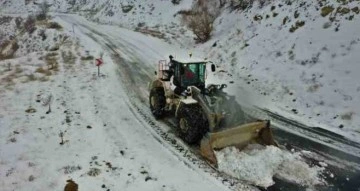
(310, 74)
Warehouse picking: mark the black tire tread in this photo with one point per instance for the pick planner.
(159, 94)
(198, 124)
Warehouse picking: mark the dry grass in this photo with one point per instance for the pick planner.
(8, 49)
(54, 25)
(41, 70)
(200, 19)
(326, 10)
(201, 23)
(18, 70)
(44, 79)
(31, 77)
(297, 25)
(68, 58)
(87, 58)
(154, 33)
(313, 88)
(51, 61)
(347, 116)
(29, 24)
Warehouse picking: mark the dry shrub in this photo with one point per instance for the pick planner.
(18, 70)
(8, 49)
(31, 77)
(42, 34)
(51, 61)
(313, 88)
(201, 24)
(246, 4)
(347, 116)
(29, 24)
(5, 19)
(68, 57)
(127, 8)
(94, 172)
(175, 2)
(200, 19)
(18, 22)
(154, 33)
(3, 46)
(28, 1)
(89, 57)
(65, 40)
(44, 79)
(43, 71)
(44, 9)
(54, 25)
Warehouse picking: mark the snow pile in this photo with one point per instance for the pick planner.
(258, 165)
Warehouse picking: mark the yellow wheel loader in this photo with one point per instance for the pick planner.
(201, 112)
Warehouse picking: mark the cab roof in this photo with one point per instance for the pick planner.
(189, 60)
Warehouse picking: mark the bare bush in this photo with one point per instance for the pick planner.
(42, 34)
(200, 18)
(246, 4)
(54, 25)
(44, 9)
(29, 24)
(175, 2)
(27, 2)
(18, 22)
(8, 49)
(201, 24)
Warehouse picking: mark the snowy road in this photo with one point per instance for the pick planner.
(136, 55)
(134, 75)
(99, 133)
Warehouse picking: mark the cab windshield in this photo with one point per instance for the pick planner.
(194, 74)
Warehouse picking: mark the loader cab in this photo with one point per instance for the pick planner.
(189, 74)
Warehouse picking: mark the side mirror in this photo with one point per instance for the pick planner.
(223, 86)
(213, 67)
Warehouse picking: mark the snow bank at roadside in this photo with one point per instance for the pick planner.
(258, 165)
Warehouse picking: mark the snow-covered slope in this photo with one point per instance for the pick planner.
(310, 74)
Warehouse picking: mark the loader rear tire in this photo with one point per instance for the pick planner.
(192, 124)
(157, 102)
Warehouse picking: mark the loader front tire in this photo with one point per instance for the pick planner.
(157, 102)
(192, 124)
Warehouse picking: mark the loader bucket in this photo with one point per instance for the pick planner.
(240, 137)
